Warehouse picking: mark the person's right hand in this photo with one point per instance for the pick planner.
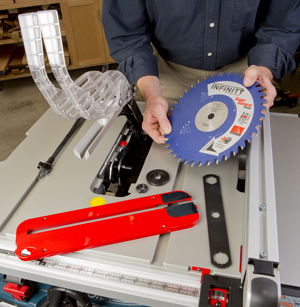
(155, 122)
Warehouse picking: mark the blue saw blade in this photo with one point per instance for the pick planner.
(215, 118)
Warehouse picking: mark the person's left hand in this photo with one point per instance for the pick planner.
(264, 76)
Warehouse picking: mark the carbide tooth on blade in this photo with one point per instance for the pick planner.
(196, 162)
(211, 161)
(208, 163)
(258, 123)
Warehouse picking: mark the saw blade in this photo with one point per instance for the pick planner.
(214, 118)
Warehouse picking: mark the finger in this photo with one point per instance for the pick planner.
(163, 121)
(152, 129)
(251, 75)
(164, 125)
(270, 92)
(156, 136)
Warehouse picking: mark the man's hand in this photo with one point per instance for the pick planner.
(155, 122)
(264, 76)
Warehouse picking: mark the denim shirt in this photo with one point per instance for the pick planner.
(201, 34)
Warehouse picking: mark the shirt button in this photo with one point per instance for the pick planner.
(212, 25)
(209, 54)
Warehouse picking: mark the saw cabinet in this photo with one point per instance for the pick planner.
(81, 30)
(174, 269)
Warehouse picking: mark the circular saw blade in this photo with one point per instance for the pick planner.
(214, 119)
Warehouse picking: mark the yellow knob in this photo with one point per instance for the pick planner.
(97, 201)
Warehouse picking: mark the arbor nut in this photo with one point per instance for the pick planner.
(142, 188)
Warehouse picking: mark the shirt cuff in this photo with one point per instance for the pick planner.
(138, 66)
(271, 56)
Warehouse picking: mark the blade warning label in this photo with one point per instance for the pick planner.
(237, 130)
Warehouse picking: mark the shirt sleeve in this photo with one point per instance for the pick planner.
(278, 38)
(126, 26)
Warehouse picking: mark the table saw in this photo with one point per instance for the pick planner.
(258, 188)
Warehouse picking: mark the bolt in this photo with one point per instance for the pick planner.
(263, 255)
(262, 207)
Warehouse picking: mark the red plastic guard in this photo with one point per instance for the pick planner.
(36, 238)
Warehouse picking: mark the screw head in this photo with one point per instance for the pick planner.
(262, 207)
(263, 255)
